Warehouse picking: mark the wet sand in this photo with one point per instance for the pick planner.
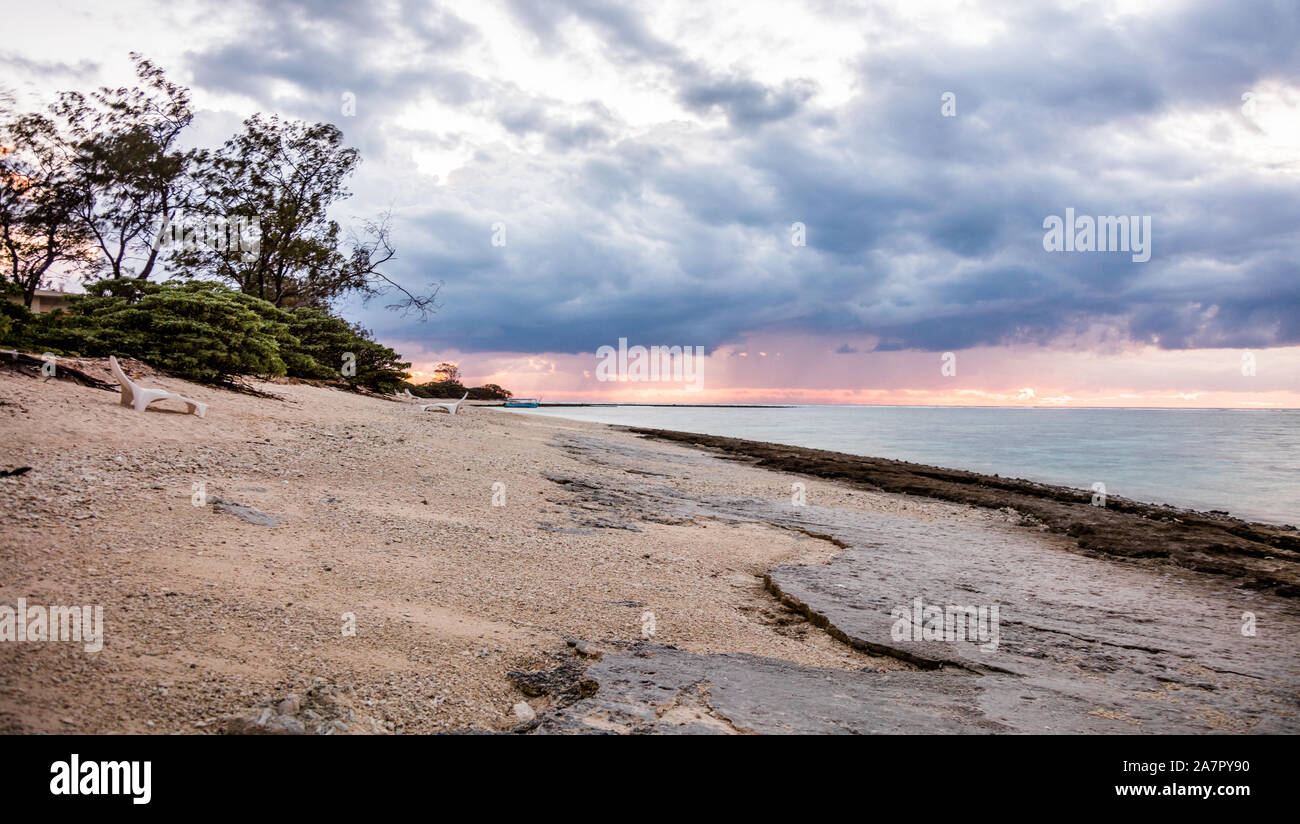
(1085, 642)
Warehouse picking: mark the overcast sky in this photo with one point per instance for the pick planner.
(648, 161)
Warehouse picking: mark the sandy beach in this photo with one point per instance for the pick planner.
(443, 374)
(491, 559)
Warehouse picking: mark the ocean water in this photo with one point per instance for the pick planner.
(1244, 461)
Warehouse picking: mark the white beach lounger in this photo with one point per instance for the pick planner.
(450, 407)
(406, 396)
(138, 397)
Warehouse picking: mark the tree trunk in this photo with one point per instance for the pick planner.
(148, 266)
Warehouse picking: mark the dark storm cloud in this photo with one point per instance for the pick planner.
(16, 64)
(623, 28)
(745, 102)
(563, 130)
(923, 231)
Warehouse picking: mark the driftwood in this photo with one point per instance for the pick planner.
(243, 388)
(24, 363)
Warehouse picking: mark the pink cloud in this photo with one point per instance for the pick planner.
(802, 369)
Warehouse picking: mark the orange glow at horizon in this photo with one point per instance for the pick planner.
(789, 370)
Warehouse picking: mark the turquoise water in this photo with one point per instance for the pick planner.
(1244, 461)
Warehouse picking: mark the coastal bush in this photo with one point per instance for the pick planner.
(438, 389)
(490, 392)
(13, 319)
(200, 331)
(455, 389)
(298, 363)
(28, 331)
(378, 367)
(205, 331)
(97, 186)
(343, 351)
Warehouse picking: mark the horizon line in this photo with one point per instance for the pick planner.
(791, 405)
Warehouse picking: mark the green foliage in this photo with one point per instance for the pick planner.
(491, 392)
(455, 389)
(14, 318)
(206, 331)
(24, 330)
(200, 331)
(93, 185)
(322, 341)
(378, 366)
(285, 176)
(439, 389)
(343, 351)
(127, 172)
(103, 182)
(297, 363)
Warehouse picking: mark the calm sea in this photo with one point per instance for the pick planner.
(1243, 461)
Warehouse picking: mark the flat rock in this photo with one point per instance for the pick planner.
(664, 690)
(1085, 642)
(246, 513)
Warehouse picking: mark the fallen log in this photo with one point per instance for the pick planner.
(23, 362)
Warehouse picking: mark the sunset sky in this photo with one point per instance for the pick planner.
(649, 160)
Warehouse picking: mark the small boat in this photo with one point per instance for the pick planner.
(521, 403)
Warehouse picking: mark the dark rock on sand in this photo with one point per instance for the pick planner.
(664, 690)
(246, 513)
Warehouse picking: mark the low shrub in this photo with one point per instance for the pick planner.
(207, 332)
